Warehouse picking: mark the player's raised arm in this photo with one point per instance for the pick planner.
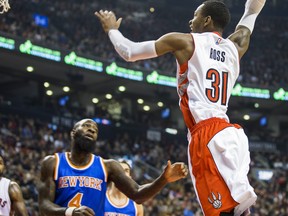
(245, 27)
(141, 193)
(133, 51)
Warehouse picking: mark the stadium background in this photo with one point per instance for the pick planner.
(48, 45)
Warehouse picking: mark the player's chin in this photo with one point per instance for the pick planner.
(88, 137)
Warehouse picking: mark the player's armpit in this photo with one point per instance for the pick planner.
(241, 39)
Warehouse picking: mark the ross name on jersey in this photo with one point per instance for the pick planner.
(80, 181)
(217, 55)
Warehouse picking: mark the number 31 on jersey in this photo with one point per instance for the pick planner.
(219, 83)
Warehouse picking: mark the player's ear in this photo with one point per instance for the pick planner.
(72, 133)
(208, 21)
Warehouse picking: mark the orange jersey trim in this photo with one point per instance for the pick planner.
(117, 205)
(104, 169)
(91, 160)
(56, 168)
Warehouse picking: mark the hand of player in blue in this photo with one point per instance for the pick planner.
(174, 172)
(83, 211)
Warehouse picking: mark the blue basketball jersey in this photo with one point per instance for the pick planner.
(128, 209)
(77, 186)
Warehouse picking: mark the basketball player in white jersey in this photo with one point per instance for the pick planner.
(11, 199)
(207, 69)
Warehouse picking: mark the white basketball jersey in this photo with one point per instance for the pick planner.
(5, 202)
(208, 77)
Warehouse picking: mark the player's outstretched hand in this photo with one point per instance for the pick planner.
(175, 171)
(83, 211)
(108, 20)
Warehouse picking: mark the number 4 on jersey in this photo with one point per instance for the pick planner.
(76, 200)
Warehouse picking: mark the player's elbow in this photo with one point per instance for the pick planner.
(127, 57)
(44, 205)
(131, 59)
(140, 198)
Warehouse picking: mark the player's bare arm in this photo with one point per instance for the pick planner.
(140, 194)
(46, 188)
(140, 210)
(17, 200)
(241, 36)
(180, 44)
(241, 39)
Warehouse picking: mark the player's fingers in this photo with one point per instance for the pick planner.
(97, 14)
(119, 21)
(183, 169)
(90, 212)
(103, 13)
(168, 163)
(186, 170)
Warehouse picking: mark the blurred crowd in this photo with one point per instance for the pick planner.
(24, 142)
(72, 26)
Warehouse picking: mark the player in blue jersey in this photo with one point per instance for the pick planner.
(117, 203)
(74, 183)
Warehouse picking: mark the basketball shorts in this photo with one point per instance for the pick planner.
(219, 157)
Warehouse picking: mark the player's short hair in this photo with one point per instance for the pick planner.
(77, 124)
(218, 11)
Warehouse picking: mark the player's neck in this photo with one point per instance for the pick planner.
(116, 193)
(218, 31)
(79, 159)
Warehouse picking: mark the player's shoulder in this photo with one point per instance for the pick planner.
(14, 189)
(13, 185)
(176, 36)
(48, 161)
(109, 162)
(49, 158)
(111, 165)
